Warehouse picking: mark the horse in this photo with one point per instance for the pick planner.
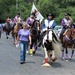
(35, 32)
(48, 46)
(7, 29)
(15, 30)
(68, 40)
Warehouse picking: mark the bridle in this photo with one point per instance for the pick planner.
(47, 32)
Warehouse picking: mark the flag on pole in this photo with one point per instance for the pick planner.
(37, 13)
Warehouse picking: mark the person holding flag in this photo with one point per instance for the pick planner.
(38, 15)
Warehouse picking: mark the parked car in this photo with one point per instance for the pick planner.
(3, 24)
(58, 29)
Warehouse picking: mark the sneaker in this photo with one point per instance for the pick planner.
(27, 52)
(21, 62)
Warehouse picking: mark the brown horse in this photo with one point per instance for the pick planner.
(15, 30)
(35, 32)
(7, 29)
(68, 40)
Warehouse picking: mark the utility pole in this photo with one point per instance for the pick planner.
(16, 4)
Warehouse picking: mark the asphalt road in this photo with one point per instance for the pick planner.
(10, 65)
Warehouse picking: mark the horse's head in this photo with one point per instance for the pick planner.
(48, 35)
(70, 35)
(19, 26)
(7, 25)
(36, 25)
(73, 34)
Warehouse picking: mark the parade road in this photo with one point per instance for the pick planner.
(10, 64)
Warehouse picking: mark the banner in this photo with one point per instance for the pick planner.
(37, 13)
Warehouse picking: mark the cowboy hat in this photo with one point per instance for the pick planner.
(67, 14)
(50, 15)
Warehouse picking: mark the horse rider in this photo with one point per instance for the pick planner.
(66, 23)
(30, 20)
(32, 25)
(9, 21)
(17, 19)
(49, 23)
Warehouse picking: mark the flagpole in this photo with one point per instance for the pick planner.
(38, 14)
(16, 4)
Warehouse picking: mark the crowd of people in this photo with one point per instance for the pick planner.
(24, 34)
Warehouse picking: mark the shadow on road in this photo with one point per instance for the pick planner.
(37, 54)
(72, 60)
(30, 62)
(56, 65)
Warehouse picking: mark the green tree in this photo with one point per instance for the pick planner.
(58, 7)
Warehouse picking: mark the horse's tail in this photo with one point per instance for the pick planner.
(57, 48)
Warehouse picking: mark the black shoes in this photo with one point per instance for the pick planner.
(22, 62)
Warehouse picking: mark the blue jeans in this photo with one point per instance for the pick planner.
(23, 47)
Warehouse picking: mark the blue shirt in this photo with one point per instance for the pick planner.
(53, 25)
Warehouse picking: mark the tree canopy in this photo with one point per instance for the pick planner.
(58, 7)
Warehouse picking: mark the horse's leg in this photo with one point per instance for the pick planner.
(63, 54)
(52, 52)
(16, 38)
(6, 34)
(50, 56)
(66, 53)
(35, 46)
(72, 51)
(53, 56)
(48, 52)
(63, 51)
(46, 58)
(13, 38)
(9, 32)
(31, 51)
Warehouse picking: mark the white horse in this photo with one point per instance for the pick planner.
(51, 49)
